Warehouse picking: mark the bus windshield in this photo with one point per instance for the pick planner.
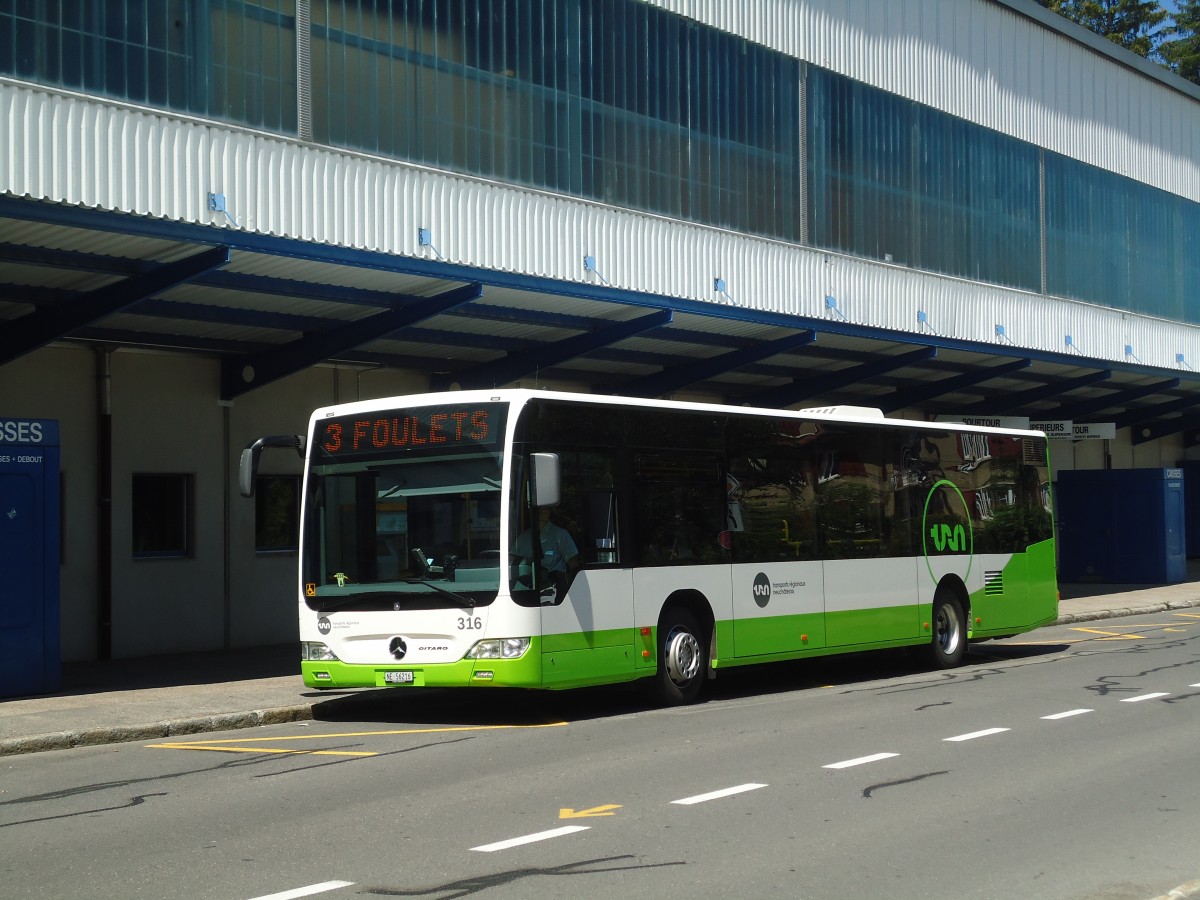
(402, 520)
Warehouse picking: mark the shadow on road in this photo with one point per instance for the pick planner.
(502, 706)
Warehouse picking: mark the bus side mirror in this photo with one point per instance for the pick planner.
(547, 486)
(248, 464)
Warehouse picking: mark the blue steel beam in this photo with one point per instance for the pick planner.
(902, 399)
(72, 259)
(40, 327)
(1114, 401)
(514, 366)
(216, 346)
(677, 377)
(1008, 403)
(243, 374)
(1151, 413)
(1159, 428)
(805, 388)
(100, 221)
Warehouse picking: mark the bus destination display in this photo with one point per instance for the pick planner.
(425, 429)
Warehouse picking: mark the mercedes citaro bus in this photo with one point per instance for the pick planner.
(538, 539)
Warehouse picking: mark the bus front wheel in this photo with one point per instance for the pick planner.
(949, 643)
(682, 655)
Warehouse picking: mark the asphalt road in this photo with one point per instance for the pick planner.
(1058, 765)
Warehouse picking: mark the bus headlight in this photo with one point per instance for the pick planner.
(314, 651)
(502, 648)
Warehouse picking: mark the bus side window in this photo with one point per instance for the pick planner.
(850, 484)
(679, 507)
(589, 508)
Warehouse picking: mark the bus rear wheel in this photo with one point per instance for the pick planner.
(949, 643)
(682, 655)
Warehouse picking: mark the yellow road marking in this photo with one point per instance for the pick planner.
(606, 810)
(1045, 643)
(224, 743)
(227, 749)
(1176, 630)
(1111, 635)
(1188, 615)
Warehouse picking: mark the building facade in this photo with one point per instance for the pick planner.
(218, 214)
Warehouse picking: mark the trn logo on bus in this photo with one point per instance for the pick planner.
(946, 537)
(946, 532)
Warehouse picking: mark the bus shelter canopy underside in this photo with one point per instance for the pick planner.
(270, 307)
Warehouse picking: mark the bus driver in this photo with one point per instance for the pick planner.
(560, 556)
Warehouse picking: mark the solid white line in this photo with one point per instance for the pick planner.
(307, 891)
(976, 734)
(1146, 697)
(531, 838)
(1069, 713)
(846, 764)
(717, 795)
(1197, 684)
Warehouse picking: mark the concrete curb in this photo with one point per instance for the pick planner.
(1120, 612)
(1183, 892)
(117, 734)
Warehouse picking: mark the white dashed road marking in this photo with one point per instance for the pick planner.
(309, 891)
(862, 760)
(1145, 697)
(987, 732)
(717, 795)
(531, 838)
(1069, 713)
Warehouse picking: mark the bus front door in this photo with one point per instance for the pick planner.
(587, 635)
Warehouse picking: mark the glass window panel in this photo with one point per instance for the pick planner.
(233, 59)
(161, 516)
(276, 513)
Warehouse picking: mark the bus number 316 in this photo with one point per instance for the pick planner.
(470, 623)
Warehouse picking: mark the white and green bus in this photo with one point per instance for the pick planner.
(538, 539)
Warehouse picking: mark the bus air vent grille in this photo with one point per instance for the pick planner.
(993, 582)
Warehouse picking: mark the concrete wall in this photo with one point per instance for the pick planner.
(166, 418)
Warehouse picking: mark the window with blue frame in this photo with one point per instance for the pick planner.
(233, 60)
(1120, 243)
(893, 180)
(608, 99)
(627, 103)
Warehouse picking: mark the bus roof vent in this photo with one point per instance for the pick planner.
(849, 412)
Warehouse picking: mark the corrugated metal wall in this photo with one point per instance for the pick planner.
(75, 150)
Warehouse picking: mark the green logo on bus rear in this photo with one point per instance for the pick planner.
(946, 538)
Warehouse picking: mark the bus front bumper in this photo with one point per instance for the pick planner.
(525, 672)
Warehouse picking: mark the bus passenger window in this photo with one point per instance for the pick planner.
(680, 507)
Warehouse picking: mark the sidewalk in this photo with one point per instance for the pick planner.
(155, 697)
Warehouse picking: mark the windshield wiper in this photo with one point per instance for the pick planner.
(330, 604)
(339, 602)
(459, 599)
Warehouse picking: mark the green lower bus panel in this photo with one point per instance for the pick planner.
(874, 626)
(778, 634)
(1020, 597)
(580, 668)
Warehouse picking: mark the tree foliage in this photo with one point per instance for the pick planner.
(1130, 24)
(1144, 27)
(1180, 49)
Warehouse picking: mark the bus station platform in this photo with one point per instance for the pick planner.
(152, 698)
